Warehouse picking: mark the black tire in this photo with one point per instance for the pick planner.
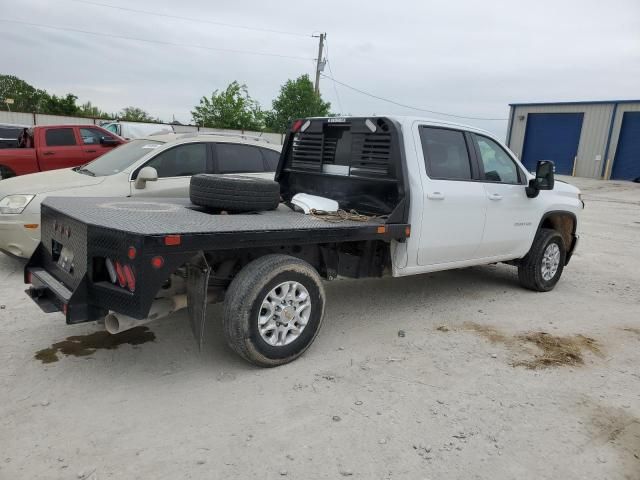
(243, 305)
(234, 193)
(6, 172)
(530, 267)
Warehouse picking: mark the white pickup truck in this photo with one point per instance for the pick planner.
(414, 196)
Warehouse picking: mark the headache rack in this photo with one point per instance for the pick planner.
(355, 161)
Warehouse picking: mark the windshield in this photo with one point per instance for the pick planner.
(120, 158)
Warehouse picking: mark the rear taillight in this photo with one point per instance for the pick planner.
(121, 274)
(131, 278)
(122, 280)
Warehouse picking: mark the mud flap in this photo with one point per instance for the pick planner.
(198, 272)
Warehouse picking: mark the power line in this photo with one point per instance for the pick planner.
(146, 40)
(409, 106)
(335, 89)
(190, 19)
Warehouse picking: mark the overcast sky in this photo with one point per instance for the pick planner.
(468, 58)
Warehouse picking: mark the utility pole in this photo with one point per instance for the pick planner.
(320, 62)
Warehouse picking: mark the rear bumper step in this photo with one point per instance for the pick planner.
(51, 295)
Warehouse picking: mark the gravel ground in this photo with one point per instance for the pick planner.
(438, 376)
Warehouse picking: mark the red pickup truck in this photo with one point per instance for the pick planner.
(53, 147)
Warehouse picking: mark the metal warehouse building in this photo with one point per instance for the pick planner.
(586, 139)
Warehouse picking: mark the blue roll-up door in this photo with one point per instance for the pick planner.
(626, 164)
(552, 136)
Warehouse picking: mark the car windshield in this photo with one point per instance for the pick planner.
(120, 158)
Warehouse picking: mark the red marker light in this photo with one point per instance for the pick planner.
(296, 126)
(157, 262)
(131, 253)
(172, 240)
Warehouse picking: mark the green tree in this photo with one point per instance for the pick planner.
(297, 99)
(26, 98)
(135, 114)
(230, 108)
(54, 105)
(90, 110)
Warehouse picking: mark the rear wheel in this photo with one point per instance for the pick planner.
(6, 172)
(542, 267)
(273, 310)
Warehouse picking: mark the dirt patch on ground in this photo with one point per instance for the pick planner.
(621, 429)
(490, 333)
(84, 345)
(556, 351)
(632, 330)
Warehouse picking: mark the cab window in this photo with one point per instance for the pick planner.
(445, 154)
(92, 136)
(60, 137)
(181, 161)
(498, 166)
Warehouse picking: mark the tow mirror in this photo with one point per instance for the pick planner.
(108, 141)
(544, 178)
(146, 174)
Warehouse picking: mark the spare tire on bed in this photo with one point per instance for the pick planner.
(234, 193)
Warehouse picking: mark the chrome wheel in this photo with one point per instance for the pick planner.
(284, 314)
(550, 261)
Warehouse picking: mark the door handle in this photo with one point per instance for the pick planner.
(47, 153)
(435, 196)
(495, 196)
(91, 151)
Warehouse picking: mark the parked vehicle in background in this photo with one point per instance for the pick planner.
(131, 130)
(52, 147)
(9, 134)
(416, 195)
(156, 166)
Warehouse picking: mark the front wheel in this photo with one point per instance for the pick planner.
(273, 310)
(542, 267)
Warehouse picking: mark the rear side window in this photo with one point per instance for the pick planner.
(236, 158)
(60, 137)
(181, 161)
(272, 158)
(445, 154)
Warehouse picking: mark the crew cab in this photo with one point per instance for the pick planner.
(51, 147)
(414, 196)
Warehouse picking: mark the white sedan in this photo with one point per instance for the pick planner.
(155, 166)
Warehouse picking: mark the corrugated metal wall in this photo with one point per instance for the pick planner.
(615, 133)
(593, 139)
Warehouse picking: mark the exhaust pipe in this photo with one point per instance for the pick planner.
(116, 323)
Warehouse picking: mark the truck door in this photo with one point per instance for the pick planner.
(454, 204)
(175, 167)
(510, 213)
(91, 143)
(58, 147)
